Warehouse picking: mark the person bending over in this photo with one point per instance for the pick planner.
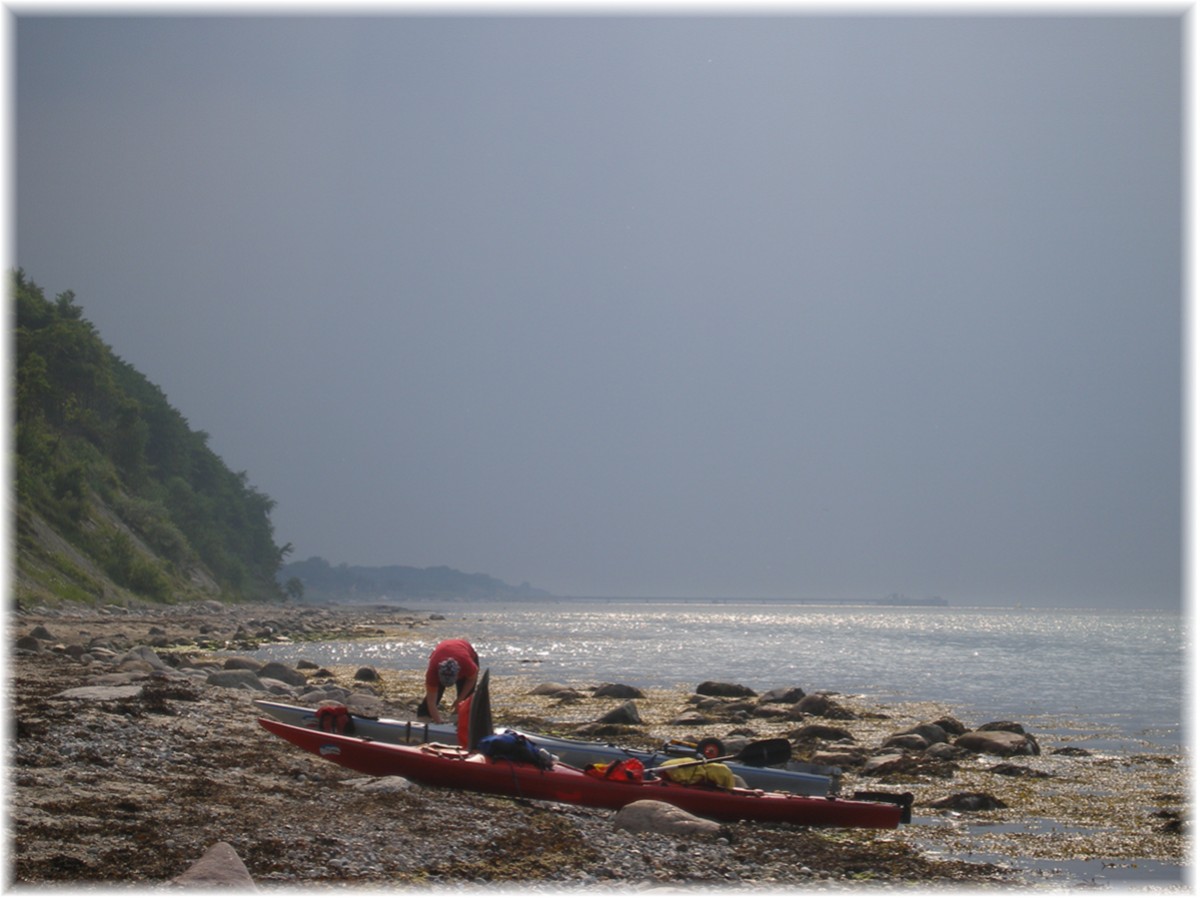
(452, 662)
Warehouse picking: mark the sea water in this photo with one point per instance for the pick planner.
(1114, 680)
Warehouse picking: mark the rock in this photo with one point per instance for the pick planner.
(387, 784)
(625, 714)
(944, 751)
(738, 708)
(243, 662)
(968, 802)
(366, 673)
(811, 733)
(661, 818)
(692, 718)
(314, 696)
(42, 634)
(1014, 727)
(134, 665)
(789, 696)
(1011, 771)
(605, 730)
(821, 705)
(723, 689)
(618, 691)
(111, 678)
(907, 741)
(950, 725)
(550, 689)
(283, 672)
(361, 703)
(236, 678)
(102, 692)
(887, 764)
(932, 732)
(219, 867)
(29, 642)
(143, 655)
(903, 763)
(998, 743)
(307, 664)
(277, 687)
(1172, 821)
(769, 711)
(1070, 751)
(842, 757)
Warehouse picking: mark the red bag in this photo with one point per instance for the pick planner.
(618, 770)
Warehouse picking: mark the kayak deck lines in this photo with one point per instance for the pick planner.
(797, 778)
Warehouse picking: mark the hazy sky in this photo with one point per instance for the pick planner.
(783, 306)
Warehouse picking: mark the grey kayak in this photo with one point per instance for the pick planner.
(805, 779)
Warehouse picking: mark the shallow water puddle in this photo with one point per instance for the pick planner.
(946, 832)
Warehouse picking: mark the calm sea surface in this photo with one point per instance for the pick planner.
(1106, 680)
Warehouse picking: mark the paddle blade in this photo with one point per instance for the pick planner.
(771, 752)
(479, 723)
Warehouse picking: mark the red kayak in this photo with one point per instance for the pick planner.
(443, 766)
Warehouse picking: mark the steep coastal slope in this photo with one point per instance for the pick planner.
(116, 497)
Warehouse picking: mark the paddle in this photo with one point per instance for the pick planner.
(479, 716)
(770, 752)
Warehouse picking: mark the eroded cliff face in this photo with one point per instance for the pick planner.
(49, 569)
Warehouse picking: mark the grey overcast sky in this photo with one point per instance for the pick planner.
(791, 305)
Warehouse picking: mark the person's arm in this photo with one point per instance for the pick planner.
(470, 686)
(431, 705)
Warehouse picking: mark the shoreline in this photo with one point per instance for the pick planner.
(114, 792)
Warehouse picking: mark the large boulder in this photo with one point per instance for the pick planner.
(283, 672)
(933, 732)
(619, 692)
(550, 689)
(363, 703)
(236, 678)
(625, 714)
(243, 662)
(891, 763)
(661, 818)
(998, 743)
(724, 689)
(219, 867)
(143, 657)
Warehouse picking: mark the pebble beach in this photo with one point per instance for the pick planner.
(131, 759)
